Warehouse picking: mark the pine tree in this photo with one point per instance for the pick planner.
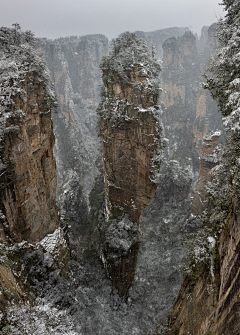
(17, 58)
(223, 82)
(127, 52)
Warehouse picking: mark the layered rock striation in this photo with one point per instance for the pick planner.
(28, 178)
(32, 245)
(208, 302)
(131, 142)
(209, 160)
(155, 39)
(74, 66)
(189, 113)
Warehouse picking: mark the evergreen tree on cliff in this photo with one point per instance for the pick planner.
(224, 86)
(18, 56)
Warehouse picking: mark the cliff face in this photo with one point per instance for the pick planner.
(189, 112)
(32, 245)
(128, 149)
(29, 203)
(210, 304)
(158, 37)
(74, 66)
(209, 159)
(130, 129)
(28, 178)
(127, 162)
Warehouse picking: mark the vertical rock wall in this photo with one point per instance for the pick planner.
(158, 37)
(28, 179)
(209, 159)
(128, 149)
(130, 129)
(127, 162)
(29, 203)
(189, 112)
(74, 66)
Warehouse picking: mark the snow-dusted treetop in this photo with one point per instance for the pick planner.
(18, 57)
(127, 52)
(224, 85)
(223, 82)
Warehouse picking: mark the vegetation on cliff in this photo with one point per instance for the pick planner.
(223, 82)
(129, 53)
(19, 57)
(132, 143)
(224, 86)
(18, 60)
(214, 269)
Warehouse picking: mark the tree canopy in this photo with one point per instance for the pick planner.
(18, 57)
(223, 82)
(127, 52)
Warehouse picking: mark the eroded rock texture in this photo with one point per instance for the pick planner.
(29, 202)
(209, 159)
(210, 305)
(158, 37)
(128, 149)
(74, 66)
(189, 112)
(130, 129)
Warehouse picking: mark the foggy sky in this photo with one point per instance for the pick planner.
(55, 18)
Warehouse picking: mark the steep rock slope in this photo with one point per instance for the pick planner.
(28, 178)
(74, 66)
(158, 37)
(208, 302)
(32, 246)
(131, 149)
(189, 112)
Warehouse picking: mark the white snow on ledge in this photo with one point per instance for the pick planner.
(42, 319)
(52, 242)
(210, 136)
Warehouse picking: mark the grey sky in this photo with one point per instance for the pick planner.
(55, 18)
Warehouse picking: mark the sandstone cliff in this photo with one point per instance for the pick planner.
(189, 112)
(131, 142)
(209, 159)
(32, 245)
(158, 37)
(28, 178)
(74, 66)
